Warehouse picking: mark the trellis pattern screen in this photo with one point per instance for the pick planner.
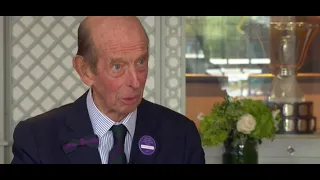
(41, 61)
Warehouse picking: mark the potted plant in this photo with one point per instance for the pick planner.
(239, 124)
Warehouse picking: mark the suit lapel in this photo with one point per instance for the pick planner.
(146, 125)
(78, 125)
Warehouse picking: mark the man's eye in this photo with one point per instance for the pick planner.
(116, 67)
(141, 61)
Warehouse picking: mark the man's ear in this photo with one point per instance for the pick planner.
(83, 70)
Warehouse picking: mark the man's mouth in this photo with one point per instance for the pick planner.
(130, 100)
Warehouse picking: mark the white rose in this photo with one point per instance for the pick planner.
(246, 124)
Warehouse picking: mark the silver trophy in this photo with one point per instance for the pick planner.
(290, 40)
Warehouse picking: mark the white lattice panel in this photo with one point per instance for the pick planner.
(41, 61)
(149, 24)
(173, 66)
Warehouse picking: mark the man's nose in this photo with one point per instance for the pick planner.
(133, 80)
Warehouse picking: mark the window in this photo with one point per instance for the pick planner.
(230, 55)
(228, 46)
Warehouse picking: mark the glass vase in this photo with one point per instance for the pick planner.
(245, 152)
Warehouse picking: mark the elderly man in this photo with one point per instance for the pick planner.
(111, 123)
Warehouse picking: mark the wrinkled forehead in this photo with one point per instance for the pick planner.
(119, 35)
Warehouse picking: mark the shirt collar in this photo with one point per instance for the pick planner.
(101, 123)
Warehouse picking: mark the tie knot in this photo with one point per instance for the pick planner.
(119, 132)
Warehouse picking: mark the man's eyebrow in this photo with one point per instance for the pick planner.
(144, 55)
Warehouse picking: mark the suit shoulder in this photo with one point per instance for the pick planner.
(162, 109)
(48, 117)
(168, 115)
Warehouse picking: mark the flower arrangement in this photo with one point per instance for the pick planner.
(239, 119)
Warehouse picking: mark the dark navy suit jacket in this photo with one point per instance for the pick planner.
(39, 140)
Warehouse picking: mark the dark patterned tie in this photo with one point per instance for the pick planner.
(116, 154)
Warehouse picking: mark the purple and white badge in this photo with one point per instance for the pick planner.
(147, 145)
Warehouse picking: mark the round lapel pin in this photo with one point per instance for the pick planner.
(147, 145)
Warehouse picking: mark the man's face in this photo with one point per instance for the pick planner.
(122, 68)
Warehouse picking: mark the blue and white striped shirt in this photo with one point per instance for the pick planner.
(101, 126)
